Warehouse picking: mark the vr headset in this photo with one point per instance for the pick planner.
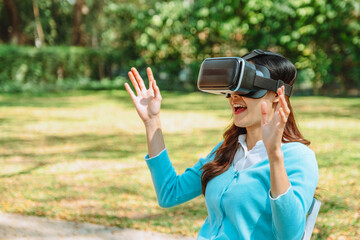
(226, 75)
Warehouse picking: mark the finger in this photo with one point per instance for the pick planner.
(157, 91)
(134, 83)
(285, 106)
(283, 101)
(138, 79)
(264, 117)
(280, 92)
(278, 105)
(282, 116)
(130, 91)
(150, 76)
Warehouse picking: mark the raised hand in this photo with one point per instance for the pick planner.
(148, 101)
(272, 130)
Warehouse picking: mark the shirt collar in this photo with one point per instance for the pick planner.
(242, 141)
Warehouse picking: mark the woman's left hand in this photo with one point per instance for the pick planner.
(272, 131)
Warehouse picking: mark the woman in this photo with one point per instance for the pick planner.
(259, 182)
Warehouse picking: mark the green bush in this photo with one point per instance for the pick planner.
(49, 68)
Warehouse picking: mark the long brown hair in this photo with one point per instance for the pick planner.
(280, 68)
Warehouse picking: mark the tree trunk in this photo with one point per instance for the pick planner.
(16, 36)
(96, 23)
(40, 39)
(95, 29)
(77, 38)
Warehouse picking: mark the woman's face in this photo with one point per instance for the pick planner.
(247, 111)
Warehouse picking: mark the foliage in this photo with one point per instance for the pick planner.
(320, 37)
(51, 68)
(79, 156)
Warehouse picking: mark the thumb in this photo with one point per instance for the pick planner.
(264, 116)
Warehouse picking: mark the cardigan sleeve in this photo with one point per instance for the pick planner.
(172, 189)
(289, 209)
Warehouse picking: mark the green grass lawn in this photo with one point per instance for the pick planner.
(79, 156)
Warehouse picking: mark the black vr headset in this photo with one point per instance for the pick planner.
(226, 75)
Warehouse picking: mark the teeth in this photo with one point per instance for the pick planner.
(238, 105)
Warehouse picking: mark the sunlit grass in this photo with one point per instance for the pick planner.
(79, 156)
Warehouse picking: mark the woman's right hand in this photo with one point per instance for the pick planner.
(148, 101)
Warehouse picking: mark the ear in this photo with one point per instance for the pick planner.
(276, 98)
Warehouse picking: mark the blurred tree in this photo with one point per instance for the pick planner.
(40, 39)
(80, 9)
(320, 37)
(15, 35)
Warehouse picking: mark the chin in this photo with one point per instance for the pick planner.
(240, 125)
(245, 124)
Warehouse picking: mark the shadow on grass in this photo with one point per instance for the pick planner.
(116, 145)
(25, 172)
(333, 204)
(323, 232)
(45, 151)
(4, 120)
(325, 107)
(89, 146)
(50, 100)
(38, 103)
(337, 158)
(328, 114)
(119, 189)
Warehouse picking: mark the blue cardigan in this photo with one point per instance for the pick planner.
(238, 202)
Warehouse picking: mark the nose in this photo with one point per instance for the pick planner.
(235, 96)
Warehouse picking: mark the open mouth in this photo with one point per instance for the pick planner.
(239, 108)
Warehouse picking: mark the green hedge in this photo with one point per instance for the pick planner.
(24, 68)
(47, 68)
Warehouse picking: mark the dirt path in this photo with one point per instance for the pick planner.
(17, 227)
